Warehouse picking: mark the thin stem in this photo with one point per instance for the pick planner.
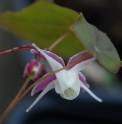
(17, 49)
(58, 40)
(14, 100)
(23, 87)
(48, 75)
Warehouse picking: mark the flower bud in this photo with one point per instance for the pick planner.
(34, 69)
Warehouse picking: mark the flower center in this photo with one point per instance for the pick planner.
(35, 68)
(69, 93)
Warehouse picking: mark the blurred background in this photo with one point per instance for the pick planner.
(106, 15)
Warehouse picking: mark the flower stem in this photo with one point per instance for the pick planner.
(58, 40)
(15, 101)
(17, 49)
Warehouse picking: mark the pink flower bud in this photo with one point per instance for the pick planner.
(34, 69)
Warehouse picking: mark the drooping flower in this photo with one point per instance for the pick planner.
(67, 83)
(34, 69)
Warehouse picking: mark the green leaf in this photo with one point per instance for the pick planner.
(43, 23)
(98, 44)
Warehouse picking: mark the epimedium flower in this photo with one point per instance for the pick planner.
(67, 82)
(34, 69)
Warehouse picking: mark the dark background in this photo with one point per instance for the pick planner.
(105, 15)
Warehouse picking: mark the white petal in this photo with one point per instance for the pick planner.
(68, 85)
(92, 94)
(71, 92)
(65, 80)
(53, 63)
(49, 87)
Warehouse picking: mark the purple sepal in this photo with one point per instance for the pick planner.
(77, 57)
(83, 80)
(52, 55)
(55, 57)
(43, 84)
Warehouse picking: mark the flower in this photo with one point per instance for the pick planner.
(34, 69)
(67, 83)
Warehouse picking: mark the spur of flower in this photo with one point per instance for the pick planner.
(67, 82)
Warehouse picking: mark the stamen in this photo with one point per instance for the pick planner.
(70, 91)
